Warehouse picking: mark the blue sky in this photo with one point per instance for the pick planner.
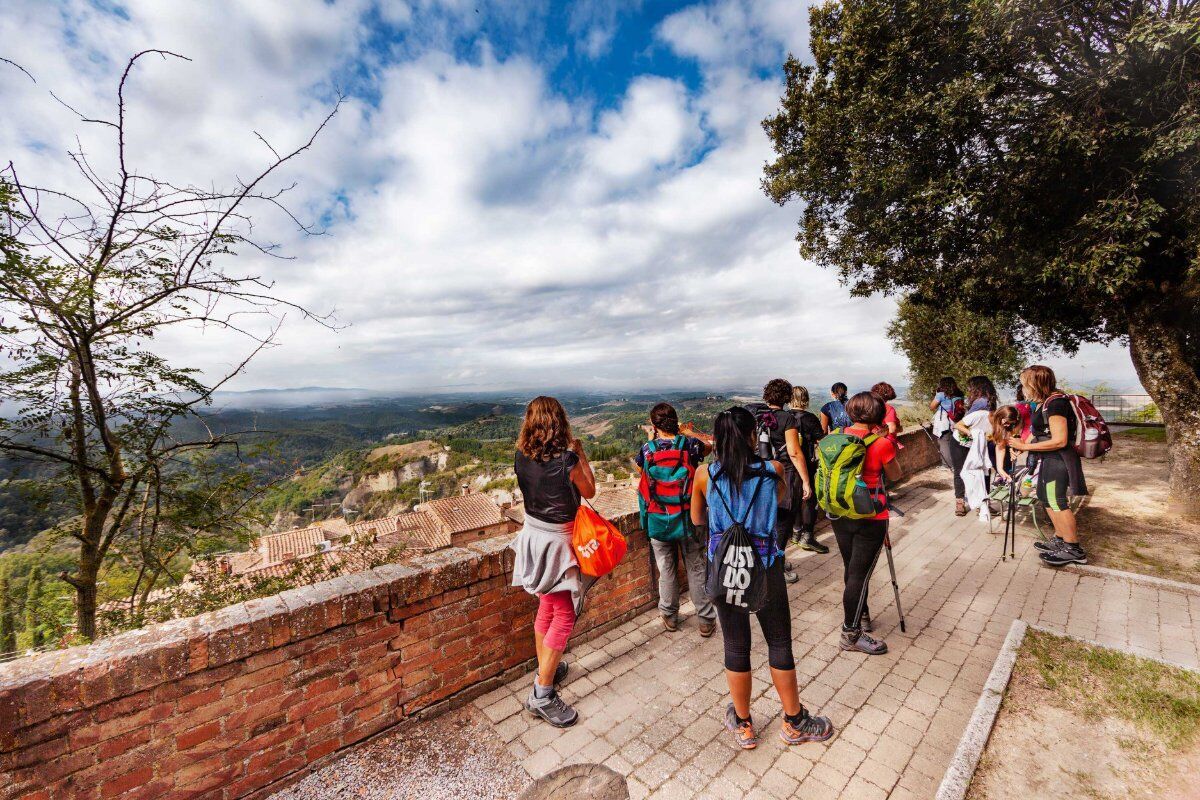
(516, 194)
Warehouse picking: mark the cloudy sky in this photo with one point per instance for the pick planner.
(515, 194)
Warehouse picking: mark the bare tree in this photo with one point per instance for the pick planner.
(84, 291)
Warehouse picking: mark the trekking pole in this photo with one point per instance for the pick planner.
(887, 543)
(941, 456)
(862, 596)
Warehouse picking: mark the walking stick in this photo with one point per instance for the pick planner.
(887, 543)
(862, 597)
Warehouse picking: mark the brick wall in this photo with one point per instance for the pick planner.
(919, 452)
(229, 703)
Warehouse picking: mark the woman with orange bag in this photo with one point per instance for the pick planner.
(552, 473)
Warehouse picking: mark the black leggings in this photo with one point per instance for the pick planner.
(785, 520)
(775, 619)
(859, 541)
(957, 455)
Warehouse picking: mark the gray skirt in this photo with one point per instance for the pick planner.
(544, 561)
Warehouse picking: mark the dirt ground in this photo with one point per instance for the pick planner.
(1127, 525)
(456, 755)
(1054, 745)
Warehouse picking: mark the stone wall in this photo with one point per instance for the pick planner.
(242, 700)
(227, 704)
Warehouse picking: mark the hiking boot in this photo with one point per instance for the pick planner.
(707, 627)
(743, 731)
(560, 672)
(1049, 546)
(855, 639)
(864, 622)
(670, 623)
(960, 507)
(808, 729)
(789, 574)
(553, 709)
(808, 541)
(1069, 553)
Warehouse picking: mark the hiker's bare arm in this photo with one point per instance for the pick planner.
(962, 428)
(582, 475)
(689, 429)
(699, 507)
(933, 404)
(796, 456)
(781, 484)
(1057, 440)
(893, 471)
(824, 422)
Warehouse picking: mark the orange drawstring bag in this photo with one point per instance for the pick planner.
(598, 545)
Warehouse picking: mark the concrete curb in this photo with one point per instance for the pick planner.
(1133, 577)
(958, 775)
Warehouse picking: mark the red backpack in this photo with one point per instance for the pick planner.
(1092, 437)
(665, 491)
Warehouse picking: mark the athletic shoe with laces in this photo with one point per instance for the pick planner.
(865, 623)
(790, 576)
(1069, 553)
(808, 541)
(552, 708)
(855, 639)
(1049, 546)
(742, 730)
(809, 729)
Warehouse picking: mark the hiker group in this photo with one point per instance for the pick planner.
(775, 467)
(981, 442)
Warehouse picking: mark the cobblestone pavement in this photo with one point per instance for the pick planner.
(651, 702)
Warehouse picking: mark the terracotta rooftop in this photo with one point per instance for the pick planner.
(415, 529)
(465, 512)
(277, 547)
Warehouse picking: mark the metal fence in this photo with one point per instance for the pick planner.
(1128, 409)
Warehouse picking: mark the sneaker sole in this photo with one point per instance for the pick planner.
(853, 649)
(742, 744)
(821, 550)
(806, 739)
(1050, 563)
(551, 722)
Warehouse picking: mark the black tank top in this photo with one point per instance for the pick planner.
(546, 487)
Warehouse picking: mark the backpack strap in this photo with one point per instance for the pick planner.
(750, 507)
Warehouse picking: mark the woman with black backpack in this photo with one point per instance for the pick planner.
(736, 500)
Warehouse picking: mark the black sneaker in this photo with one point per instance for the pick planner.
(553, 709)
(865, 622)
(808, 541)
(808, 729)
(1069, 553)
(1050, 545)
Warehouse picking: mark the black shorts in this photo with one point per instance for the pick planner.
(1052, 483)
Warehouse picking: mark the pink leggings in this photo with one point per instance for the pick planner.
(555, 619)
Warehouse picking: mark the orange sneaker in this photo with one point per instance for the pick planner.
(808, 729)
(743, 731)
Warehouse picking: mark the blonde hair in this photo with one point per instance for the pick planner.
(1006, 422)
(1040, 381)
(800, 398)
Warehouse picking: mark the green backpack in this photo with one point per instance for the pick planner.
(841, 491)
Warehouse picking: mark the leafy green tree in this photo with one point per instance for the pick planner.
(86, 285)
(33, 607)
(1034, 155)
(947, 339)
(8, 638)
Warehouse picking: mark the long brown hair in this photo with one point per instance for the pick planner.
(545, 433)
(1006, 422)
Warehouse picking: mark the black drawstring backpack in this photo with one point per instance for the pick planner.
(737, 578)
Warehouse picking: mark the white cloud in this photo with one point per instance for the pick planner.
(486, 229)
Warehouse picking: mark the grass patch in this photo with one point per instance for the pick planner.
(1097, 682)
(1157, 435)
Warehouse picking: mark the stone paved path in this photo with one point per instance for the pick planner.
(651, 702)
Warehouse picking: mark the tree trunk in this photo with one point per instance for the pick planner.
(1158, 355)
(85, 581)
